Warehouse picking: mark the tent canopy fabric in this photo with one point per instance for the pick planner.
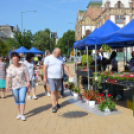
(124, 35)
(107, 28)
(35, 51)
(22, 50)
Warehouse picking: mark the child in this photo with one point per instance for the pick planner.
(36, 74)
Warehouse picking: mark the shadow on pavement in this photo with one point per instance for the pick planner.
(65, 103)
(41, 95)
(38, 110)
(9, 96)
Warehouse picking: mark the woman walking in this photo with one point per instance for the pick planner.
(3, 67)
(30, 69)
(20, 81)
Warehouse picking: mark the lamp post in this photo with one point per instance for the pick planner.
(22, 19)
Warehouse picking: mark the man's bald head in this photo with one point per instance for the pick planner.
(57, 52)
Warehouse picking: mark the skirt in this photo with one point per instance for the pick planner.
(2, 83)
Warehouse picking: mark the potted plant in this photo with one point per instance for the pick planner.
(76, 92)
(108, 104)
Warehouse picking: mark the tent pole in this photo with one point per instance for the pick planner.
(126, 55)
(74, 60)
(88, 69)
(95, 63)
(76, 68)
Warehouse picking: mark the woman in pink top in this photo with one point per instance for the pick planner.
(20, 80)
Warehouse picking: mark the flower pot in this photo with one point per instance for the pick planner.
(75, 94)
(107, 110)
(72, 92)
(91, 104)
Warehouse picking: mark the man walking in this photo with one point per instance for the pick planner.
(53, 66)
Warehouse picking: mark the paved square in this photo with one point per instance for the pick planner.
(40, 119)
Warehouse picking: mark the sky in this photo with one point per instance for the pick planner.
(57, 15)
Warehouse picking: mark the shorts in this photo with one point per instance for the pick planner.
(55, 84)
(32, 83)
(2, 83)
(20, 95)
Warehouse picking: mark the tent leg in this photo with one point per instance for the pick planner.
(95, 64)
(88, 69)
(76, 68)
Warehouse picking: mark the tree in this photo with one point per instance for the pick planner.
(20, 39)
(66, 42)
(23, 39)
(41, 40)
(3, 48)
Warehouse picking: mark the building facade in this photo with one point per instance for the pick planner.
(7, 31)
(121, 12)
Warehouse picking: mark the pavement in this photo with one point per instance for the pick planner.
(71, 119)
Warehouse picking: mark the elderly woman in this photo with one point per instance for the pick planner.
(30, 68)
(20, 81)
(2, 77)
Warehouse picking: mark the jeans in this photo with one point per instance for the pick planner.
(20, 95)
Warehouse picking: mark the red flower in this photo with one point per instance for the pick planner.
(102, 99)
(102, 95)
(109, 95)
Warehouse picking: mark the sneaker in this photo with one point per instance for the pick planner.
(36, 84)
(48, 94)
(22, 117)
(54, 109)
(34, 97)
(29, 97)
(59, 106)
(18, 117)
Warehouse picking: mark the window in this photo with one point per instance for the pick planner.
(119, 19)
(119, 4)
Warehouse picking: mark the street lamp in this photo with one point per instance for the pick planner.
(22, 19)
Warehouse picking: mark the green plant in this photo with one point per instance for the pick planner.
(106, 48)
(107, 103)
(70, 86)
(84, 60)
(97, 80)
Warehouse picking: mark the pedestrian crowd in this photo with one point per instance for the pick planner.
(21, 77)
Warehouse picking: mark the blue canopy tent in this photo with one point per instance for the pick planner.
(107, 28)
(35, 51)
(124, 35)
(22, 50)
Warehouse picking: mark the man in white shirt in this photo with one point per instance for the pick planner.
(52, 71)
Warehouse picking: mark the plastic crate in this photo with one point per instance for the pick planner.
(129, 104)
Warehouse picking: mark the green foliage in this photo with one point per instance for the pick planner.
(98, 81)
(22, 39)
(106, 48)
(66, 42)
(3, 48)
(84, 60)
(107, 103)
(76, 90)
(41, 40)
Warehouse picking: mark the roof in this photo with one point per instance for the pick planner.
(4, 35)
(95, 3)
